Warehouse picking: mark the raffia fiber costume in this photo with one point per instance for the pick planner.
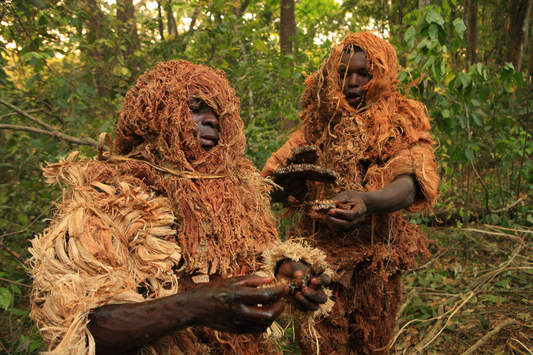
(369, 148)
(127, 230)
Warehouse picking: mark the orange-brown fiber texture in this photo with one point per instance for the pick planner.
(369, 147)
(126, 232)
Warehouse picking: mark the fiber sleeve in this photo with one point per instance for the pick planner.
(419, 162)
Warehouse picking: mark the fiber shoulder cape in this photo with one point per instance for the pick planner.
(128, 232)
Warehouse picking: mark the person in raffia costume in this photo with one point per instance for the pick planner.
(378, 141)
(144, 253)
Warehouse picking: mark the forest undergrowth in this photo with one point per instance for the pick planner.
(473, 296)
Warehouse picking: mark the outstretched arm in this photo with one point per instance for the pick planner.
(395, 196)
(230, 306)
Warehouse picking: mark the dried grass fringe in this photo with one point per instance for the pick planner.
(83, 260)
(300, 251)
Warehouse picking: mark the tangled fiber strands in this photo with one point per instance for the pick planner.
(225, 218)
(128, 232)
(368, 147)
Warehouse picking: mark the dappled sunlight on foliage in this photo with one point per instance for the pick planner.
(65, 67)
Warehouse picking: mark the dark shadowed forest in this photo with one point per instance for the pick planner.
(65, 67)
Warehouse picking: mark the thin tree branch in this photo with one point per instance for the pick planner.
(487, 336)
(13, 253)
(14, 282)
(35, 220)
(194, 17)
(27, 115)
(16, 113)
(63, 136)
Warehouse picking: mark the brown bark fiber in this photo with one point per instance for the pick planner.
(368, 148)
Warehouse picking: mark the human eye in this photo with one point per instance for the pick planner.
(195, 108)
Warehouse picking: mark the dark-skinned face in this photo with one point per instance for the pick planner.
(206, 121)
(353, 77)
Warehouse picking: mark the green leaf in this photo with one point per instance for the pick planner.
(63, 103)
(434, 17)
(23, 346)
(503, 283)
(30, 82)
(469, 154)
(524, 316)
(433, 31)
(18, 312)
(409, 37)
(5, 298)
(519, 79)
(15, 288)
(459, 27)
(484, 93)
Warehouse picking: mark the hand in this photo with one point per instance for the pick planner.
(309, 297)
(296, 188)
(347, 219)
(236, 305)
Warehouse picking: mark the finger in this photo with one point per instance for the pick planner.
(252, 280)
(305, 303)
(341, 198)
(348, 215)
(319, 281)
(264, 314)
(298, 268)
(267, 295)
(341, 224)
(316, 296)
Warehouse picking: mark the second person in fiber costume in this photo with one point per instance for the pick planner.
(378, 141)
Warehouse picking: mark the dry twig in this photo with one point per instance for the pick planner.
(488, 336)
(431, 335)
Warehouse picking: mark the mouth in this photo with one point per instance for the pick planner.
(353, 98)
(208, 141)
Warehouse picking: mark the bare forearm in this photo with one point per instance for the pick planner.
(121, 327)
(230, 305)
(398, 195)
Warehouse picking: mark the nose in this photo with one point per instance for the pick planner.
(210, 119)
(353, 80)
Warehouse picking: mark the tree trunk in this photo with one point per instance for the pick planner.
(171, 21)
(160, 21)
(287, 27)
(397, 28)
(287, 41)
(96, 30)
(471, 56)
(530, 64)
(518, 31)
(128, 35)
(239, 11)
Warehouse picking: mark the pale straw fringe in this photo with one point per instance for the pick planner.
(113, 245)
(300, 251)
